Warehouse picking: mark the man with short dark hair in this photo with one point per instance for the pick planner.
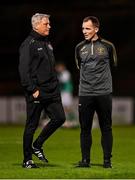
(94, 58)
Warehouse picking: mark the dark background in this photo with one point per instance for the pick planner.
(117, 18)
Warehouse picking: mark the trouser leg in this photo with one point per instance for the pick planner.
(86, 113)
(104, 112)
(33, 116)
(55, 112)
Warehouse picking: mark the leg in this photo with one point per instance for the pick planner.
(33, 115)
(55, 112)
(86, 112)
(104, 112)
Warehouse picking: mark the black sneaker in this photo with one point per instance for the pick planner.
(29, 164)
(107, 164)
(83, 163)
(40, 154)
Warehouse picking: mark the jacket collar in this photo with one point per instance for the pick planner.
(99, 38)
(38, 36)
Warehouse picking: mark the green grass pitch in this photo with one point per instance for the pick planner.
(63, 151)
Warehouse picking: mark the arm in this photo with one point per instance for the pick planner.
(113, 59)
(77, 58)
(114, 56)
(24, 69)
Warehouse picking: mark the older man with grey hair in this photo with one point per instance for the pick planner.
(41, 88)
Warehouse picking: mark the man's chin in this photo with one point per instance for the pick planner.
(87, 38)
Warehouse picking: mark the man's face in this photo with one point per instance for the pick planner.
(43, 27)
(89, 30)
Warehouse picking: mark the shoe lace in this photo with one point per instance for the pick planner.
(39, 153)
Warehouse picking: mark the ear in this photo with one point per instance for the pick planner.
(96, 29)
(36, 27)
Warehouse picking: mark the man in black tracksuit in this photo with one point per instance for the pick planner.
(95, 57)
(41, 88)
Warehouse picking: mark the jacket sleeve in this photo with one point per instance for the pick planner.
(113, 56)
(113, 60)
(24, 69)
(77, 61)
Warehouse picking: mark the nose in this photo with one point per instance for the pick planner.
(84, 31)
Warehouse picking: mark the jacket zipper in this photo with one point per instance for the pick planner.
(92, 48)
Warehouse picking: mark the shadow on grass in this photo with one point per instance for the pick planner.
(47, 165)
(39, 165)
(91, 164)
(96, 164)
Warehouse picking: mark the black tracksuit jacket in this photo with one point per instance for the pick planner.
(37, 66)
(96, 61)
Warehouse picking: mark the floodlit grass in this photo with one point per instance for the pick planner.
(63, 151)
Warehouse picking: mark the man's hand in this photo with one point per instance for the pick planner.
(36, 94)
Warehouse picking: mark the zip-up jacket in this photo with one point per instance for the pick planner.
(37, 66)
(95, 59)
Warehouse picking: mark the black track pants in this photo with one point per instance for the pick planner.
(102, 105)
(55, 112)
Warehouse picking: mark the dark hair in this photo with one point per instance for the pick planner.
(94, 20)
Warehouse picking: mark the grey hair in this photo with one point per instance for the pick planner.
(36, 18)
